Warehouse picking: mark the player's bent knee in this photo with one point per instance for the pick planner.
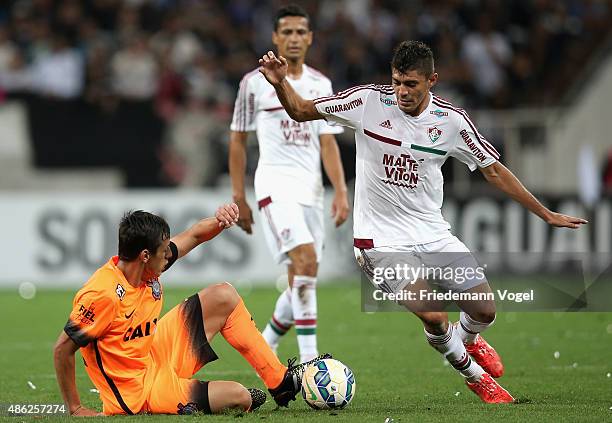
(306, 269)
(485, 312)
(484, 316)
(221, 298)
(304, 260)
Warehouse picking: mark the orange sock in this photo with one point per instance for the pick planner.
(242, 334)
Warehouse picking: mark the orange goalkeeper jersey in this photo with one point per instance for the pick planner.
(114, 324)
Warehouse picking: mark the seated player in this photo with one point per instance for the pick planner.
(143, 363)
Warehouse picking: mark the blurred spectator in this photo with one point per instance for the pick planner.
(176, 40)
(135, 80)
(58, 72)
(134, 70)
(170, 90)
(487, 54)
(454, 76)
(8, 50)
(68, 18)
(205, 83)
(193, 146)
(14, 76)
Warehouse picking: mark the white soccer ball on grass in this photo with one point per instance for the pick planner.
(328, 384)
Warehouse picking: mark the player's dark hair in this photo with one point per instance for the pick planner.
(290, 10)
(139, 231)
(413, 55)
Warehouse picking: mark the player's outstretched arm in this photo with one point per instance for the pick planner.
(226, 216)
(501, 177)
(330, 156)
(63, 358)
(237, 168)
(275, 71)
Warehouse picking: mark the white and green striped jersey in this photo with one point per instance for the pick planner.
(399, 184)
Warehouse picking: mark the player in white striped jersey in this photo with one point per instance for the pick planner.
(403, 135)
(288, 180)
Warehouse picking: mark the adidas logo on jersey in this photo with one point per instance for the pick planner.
(386, 124)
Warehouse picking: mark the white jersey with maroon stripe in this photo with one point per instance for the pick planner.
(399, 184)
(289, 166)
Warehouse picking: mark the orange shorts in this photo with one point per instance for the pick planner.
(179, 350)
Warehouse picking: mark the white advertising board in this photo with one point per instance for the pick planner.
(59, 239)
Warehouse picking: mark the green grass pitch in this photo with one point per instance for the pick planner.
(398, 375)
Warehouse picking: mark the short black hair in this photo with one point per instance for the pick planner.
(290, 10)
(140, 230)
(413, 55)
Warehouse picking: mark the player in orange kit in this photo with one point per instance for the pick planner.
(143, 363)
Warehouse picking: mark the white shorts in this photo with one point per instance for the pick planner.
(447, 263)
(289, 224)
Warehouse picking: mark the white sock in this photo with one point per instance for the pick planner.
(304, 303)
(469, 328)
(281, 320)
(452, 348)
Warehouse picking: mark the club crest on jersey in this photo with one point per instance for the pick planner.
(434, 133)
(120, 291)
(156, 289)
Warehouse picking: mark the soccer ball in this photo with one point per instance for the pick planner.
(328, 384)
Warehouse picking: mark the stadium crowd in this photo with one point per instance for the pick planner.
(161, 75)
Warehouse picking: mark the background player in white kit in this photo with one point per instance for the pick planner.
(403, 135)
(288, 181)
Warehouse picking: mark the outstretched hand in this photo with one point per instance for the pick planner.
(227, 215)
(564, 221)
(273, 68)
